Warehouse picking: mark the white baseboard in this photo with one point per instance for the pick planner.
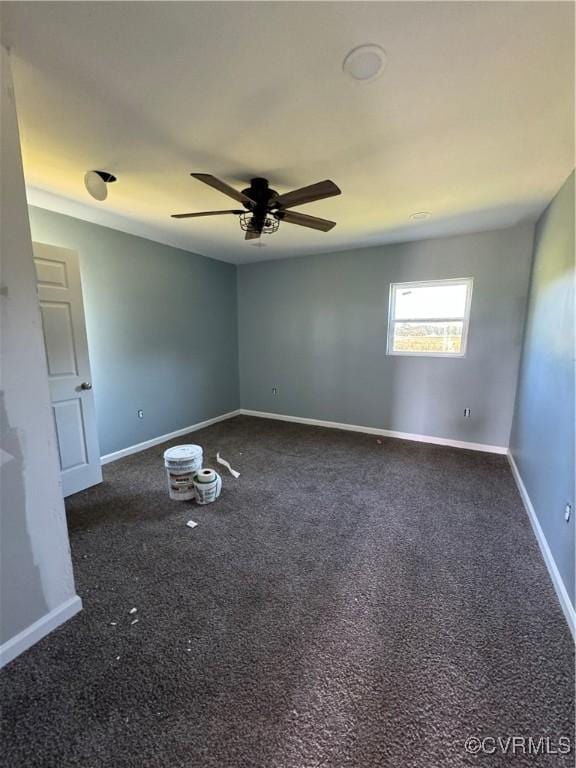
(501, 449)
(563, 597)
(164, 438)
(39, 629)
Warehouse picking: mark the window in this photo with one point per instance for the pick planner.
(429, 318)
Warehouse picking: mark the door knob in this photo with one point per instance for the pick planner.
(85, 385)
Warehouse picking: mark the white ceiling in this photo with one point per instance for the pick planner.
(472, 120)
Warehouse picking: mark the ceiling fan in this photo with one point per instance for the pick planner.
(264, 208)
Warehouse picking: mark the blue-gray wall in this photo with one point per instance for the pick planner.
(542, 441)
(315, 327)
(162, 330)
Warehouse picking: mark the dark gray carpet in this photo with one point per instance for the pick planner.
(344, 604)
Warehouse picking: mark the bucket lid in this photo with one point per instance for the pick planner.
(183, 452)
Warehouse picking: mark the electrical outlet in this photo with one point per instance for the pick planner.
(140, 414)
(275, 391)
(467, 413)
(567, 512)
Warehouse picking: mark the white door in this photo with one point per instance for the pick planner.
(62, 310)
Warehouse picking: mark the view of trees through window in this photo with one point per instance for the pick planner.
(428, 337)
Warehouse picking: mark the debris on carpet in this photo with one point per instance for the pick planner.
(226, 464)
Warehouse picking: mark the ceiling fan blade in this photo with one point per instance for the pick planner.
(221, 186)
(252, 235)
(303, 220)
(318, 191)
(202, 213)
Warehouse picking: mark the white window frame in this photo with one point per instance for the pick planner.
(467, 281)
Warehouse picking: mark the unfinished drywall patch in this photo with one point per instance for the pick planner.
(19, 608)
(35, 564)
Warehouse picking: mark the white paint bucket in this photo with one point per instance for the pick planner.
(207, 491)
(182, 462)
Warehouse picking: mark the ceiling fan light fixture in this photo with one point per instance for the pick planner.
(365, 63)
(96, 184)
(248, 224)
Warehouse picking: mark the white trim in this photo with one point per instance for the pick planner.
(465, 319)
(163, 438)
(501, 449)
(458, 355)
(554, 573)
(39, 629)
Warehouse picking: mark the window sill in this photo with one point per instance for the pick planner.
(458, 355)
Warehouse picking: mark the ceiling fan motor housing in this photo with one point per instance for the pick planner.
(260, 219)
(260, 192)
